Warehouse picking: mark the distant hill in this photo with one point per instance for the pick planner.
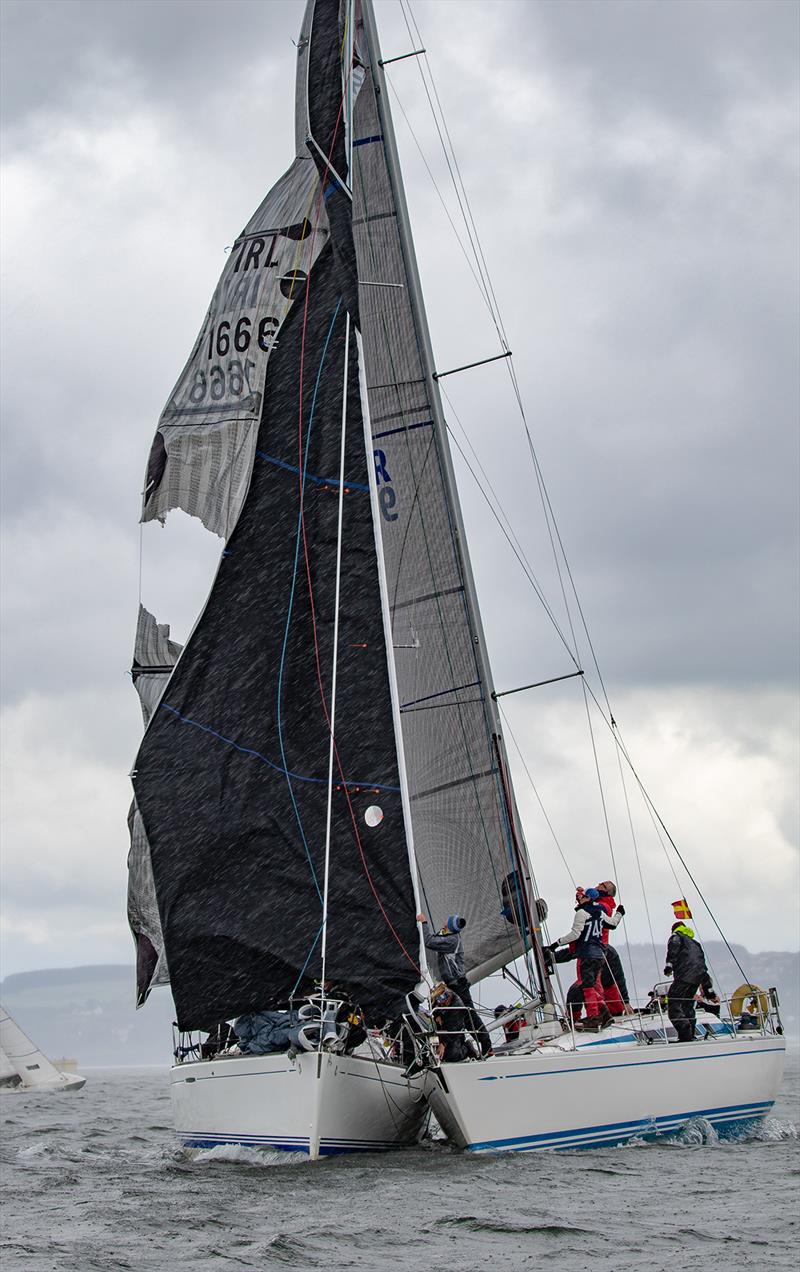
(88, 1012)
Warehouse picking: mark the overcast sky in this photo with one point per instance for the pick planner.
(632, 167)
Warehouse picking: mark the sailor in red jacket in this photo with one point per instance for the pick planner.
(612, 989)
(585, 934)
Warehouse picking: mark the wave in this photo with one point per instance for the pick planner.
(241, 1155)
(473, 1224)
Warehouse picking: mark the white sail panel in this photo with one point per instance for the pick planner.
(8, 1073)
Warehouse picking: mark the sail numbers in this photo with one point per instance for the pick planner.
(230, 377)
(219, 337)
(217, 385)
(386, 492)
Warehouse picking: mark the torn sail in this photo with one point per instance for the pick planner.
(154, 656)
(202, 453)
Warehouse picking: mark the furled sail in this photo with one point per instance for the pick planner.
(202, 453)
(231, 780)
(465, 837)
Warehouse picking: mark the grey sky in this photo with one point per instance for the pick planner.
(633, 172)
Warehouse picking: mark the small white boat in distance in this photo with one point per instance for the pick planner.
(23, 1067)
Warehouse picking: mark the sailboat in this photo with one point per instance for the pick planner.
(23, 1067)
(323, 760)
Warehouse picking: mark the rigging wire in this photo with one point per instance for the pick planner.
(454, 169)
(506, 529)
(638, 867)
(557, 545)
(507, 727)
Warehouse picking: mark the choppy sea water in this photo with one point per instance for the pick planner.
(94, 1180)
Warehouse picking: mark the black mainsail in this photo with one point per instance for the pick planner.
(314, 341)
(231, 780)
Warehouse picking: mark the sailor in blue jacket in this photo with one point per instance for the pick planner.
(449, 950)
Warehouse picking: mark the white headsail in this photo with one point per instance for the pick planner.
(23, 1057)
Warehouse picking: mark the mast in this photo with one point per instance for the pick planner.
(519, 848)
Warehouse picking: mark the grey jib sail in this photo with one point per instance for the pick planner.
(462, 833)
(231, 780)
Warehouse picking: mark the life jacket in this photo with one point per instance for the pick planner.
(609, 905)
(590, 942)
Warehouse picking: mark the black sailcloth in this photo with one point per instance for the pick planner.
(232, 776)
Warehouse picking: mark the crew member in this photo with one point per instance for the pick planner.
(615, 987)
(448, 947)
(612, 977)
(452, 1022)
(686, 964)
(587, 933)
(511, 1027)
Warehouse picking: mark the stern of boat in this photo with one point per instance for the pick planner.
(315, 1102)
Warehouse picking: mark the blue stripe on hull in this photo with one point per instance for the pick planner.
(731, 1120)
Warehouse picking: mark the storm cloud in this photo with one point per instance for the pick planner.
(633, 171)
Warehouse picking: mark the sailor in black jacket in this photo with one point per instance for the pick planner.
(686, 964)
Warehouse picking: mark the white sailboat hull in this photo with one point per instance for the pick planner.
(606, 1094)
(319, 1104)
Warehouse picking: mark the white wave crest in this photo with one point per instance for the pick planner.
(243, 1156)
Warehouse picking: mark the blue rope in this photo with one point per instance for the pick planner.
(302, 971)
(291, 599)
(248, 750)
(318, 481)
